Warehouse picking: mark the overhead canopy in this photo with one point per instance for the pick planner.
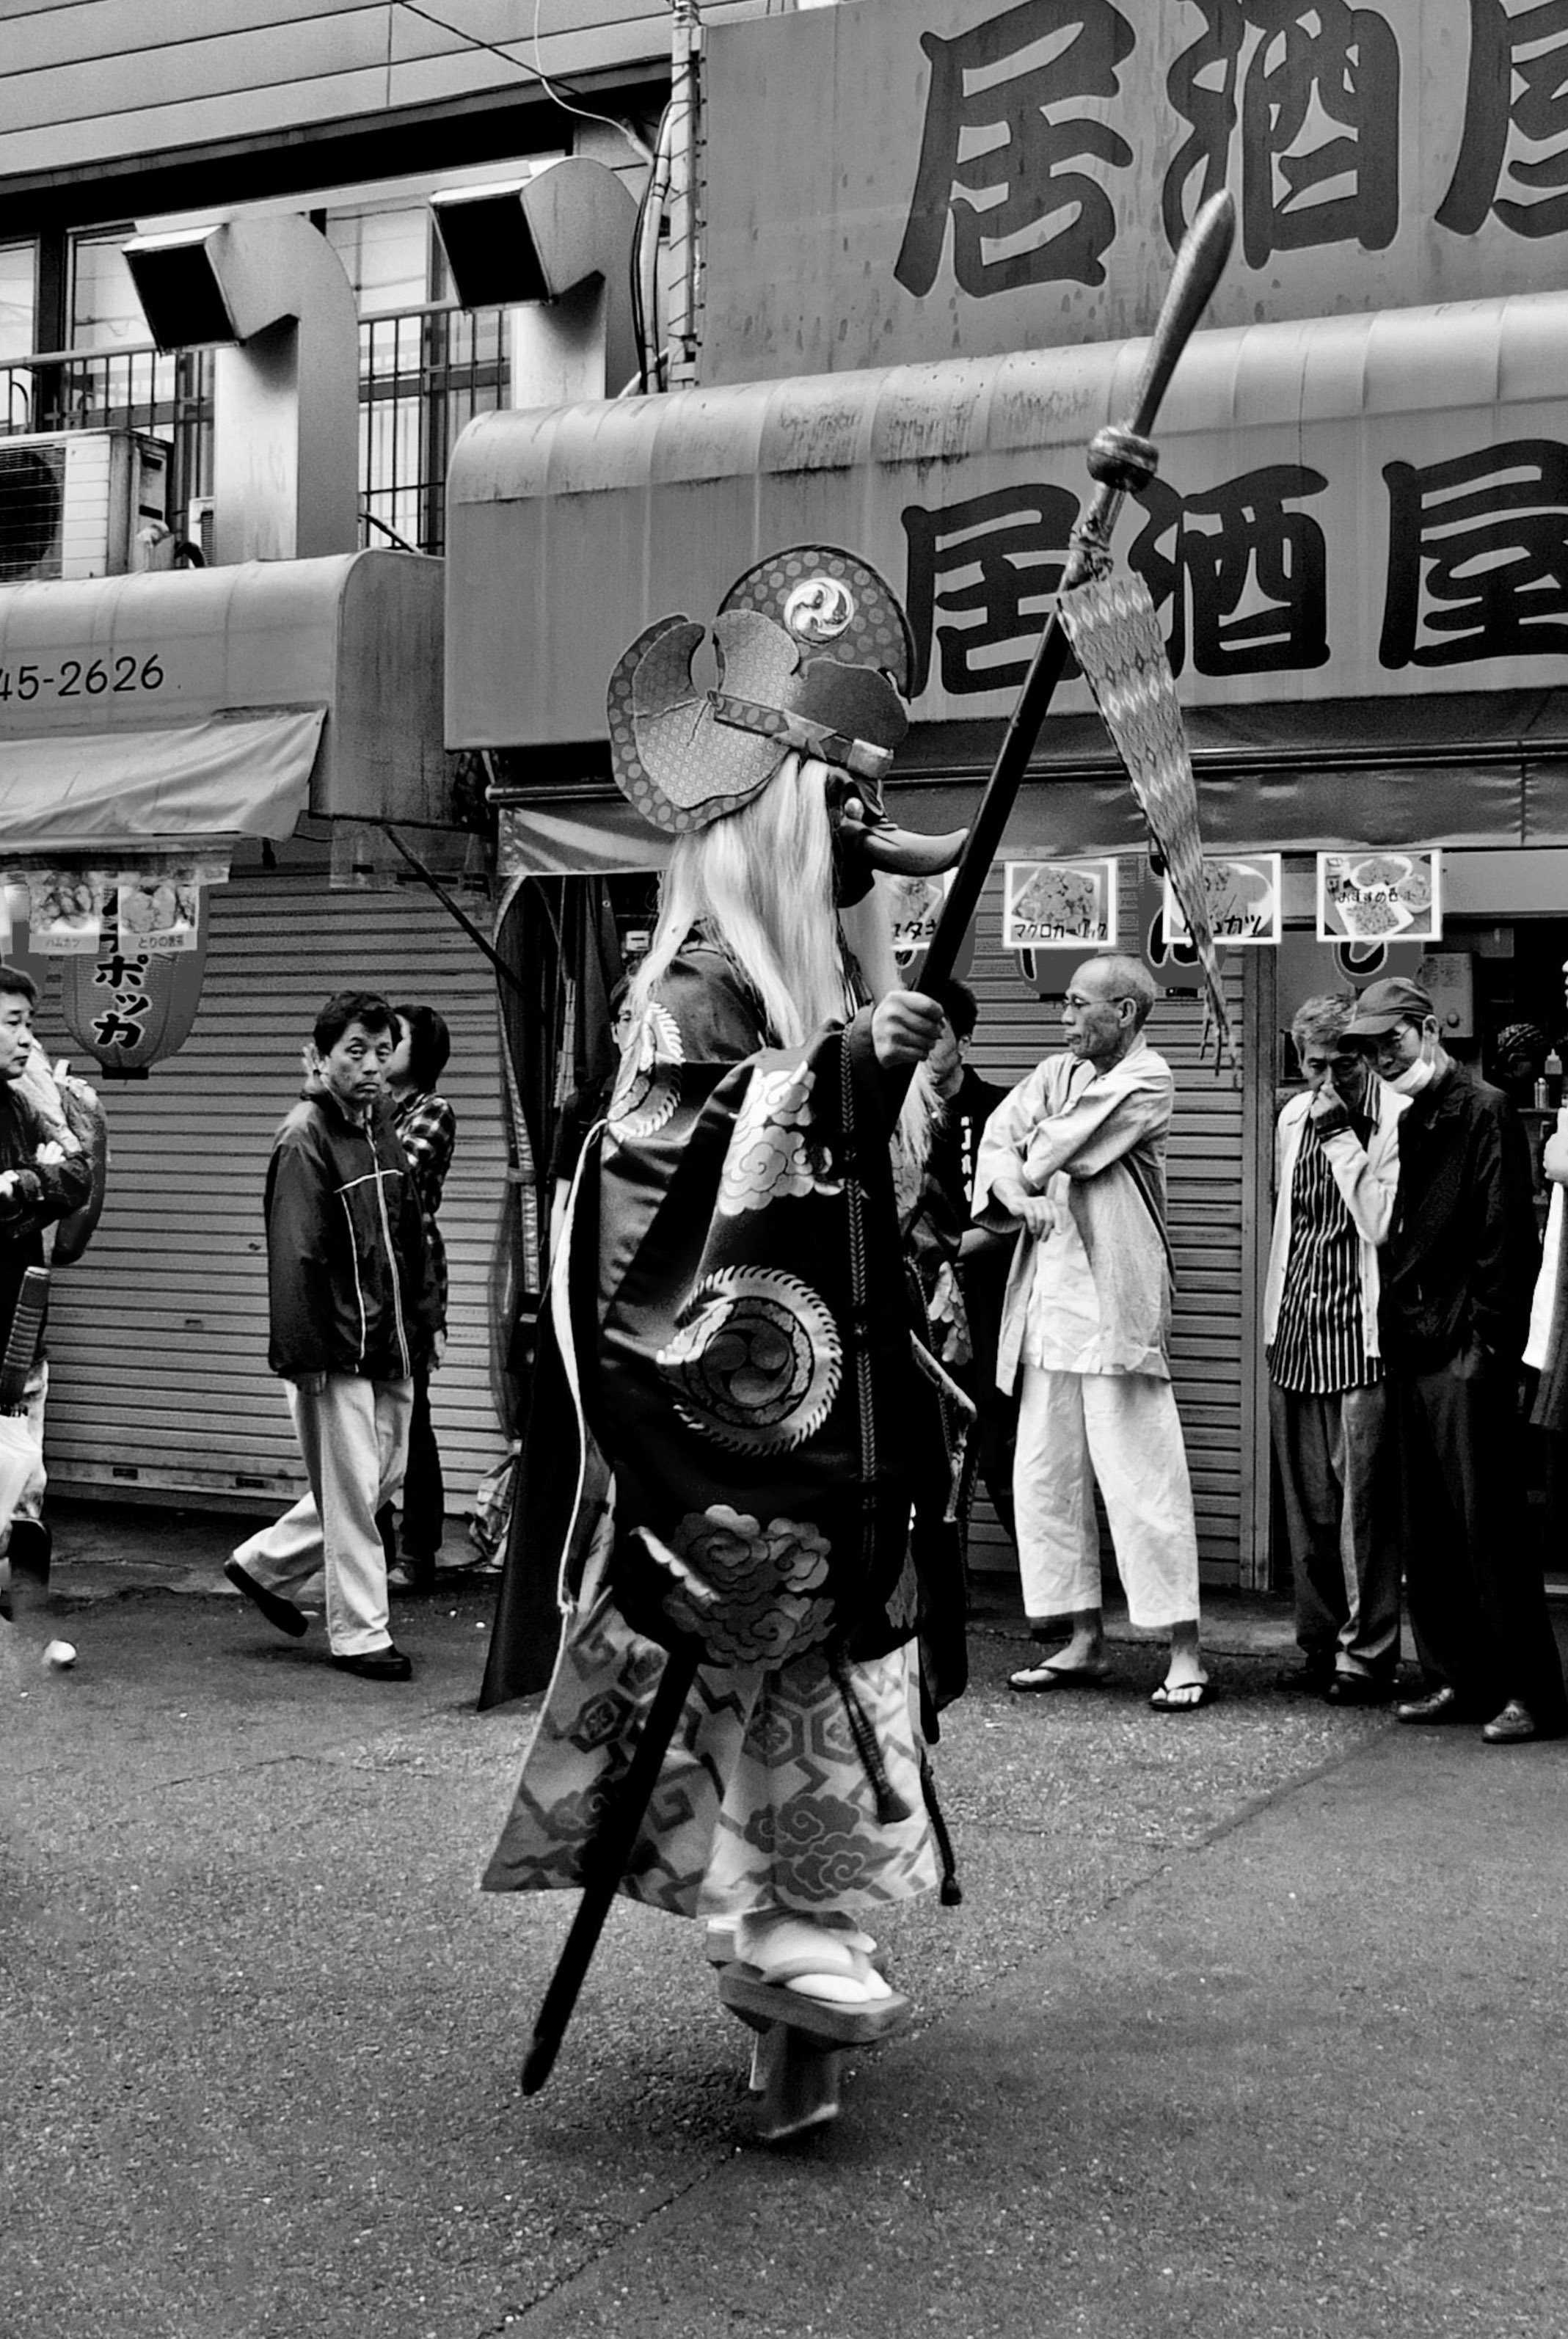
(97, 792)
(1350, 543)
(149, 704)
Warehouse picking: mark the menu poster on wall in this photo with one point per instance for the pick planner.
(159, 912)
(67, 909)
(1383, 897)
(1058, 904)
(914, 905)
(1242, 890)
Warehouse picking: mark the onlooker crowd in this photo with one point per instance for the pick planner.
(1397, 1303)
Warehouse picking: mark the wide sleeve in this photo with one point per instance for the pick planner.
(1003, 1143)
(1103, 1123)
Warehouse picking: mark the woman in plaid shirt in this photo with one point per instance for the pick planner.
(427, 1127)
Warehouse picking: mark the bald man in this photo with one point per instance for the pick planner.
(1074, 1162)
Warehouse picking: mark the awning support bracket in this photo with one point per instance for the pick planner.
(427, 877)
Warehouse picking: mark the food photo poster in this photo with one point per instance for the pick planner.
(1383, 897)
(1242, 891)
(1059, 904)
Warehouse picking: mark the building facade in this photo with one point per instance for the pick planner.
(125, 427)
(924, 291)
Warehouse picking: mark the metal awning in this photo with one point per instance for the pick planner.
(102, 793)
(1316, 479)
(176, 694)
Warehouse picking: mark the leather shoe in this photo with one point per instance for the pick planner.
(1358, 1689)
(1438, 1705)
(1311, 1678)
(1514, 1726)
(378, 1665)
(274, 1606)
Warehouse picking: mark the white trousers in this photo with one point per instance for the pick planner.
(354, 1437)
(1121, 1429)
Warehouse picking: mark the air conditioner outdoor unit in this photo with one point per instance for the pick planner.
(81, 503)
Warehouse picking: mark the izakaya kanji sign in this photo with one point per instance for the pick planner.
(1358, 508)
(973, 177)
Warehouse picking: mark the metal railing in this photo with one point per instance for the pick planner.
(423, 374)
(169, 397)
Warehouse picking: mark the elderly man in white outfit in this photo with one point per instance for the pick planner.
(1075, 1161)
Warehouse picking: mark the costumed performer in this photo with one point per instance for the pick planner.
(732, 1313)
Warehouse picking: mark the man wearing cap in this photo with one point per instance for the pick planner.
(1458, 1271)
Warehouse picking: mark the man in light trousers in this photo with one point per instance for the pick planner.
(354, 1311)
(1074, 1160)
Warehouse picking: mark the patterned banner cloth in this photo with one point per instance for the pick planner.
(1114, 635)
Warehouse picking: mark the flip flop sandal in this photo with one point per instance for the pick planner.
(1184, 1697)
(1046, 1676)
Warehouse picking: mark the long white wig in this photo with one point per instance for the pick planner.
(763, 878)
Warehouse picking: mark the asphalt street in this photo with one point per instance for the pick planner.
(1251, 2021)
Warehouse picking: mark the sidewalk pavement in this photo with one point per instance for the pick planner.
(1250, 2024)
(102, 1552)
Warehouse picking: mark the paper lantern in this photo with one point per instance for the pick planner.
(130, 1009)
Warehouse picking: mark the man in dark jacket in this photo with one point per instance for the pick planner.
(354, 1314)
(1458, 1271)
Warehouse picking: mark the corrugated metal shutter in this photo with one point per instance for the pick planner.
(158, 1336)
(1211, 1355)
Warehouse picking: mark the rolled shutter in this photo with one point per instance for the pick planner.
(158, 1336)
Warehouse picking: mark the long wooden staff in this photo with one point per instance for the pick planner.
(604, 1863)
(1197, 265)
(1204, 251)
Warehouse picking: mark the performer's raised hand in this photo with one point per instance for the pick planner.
(905, 1026)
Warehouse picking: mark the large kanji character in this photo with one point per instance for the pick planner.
(993, 561)
(1477, 556)
(1517, 83)
(1301, 71)
(1254, 570)
(995, 143)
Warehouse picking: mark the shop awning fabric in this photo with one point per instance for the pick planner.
(85, 793)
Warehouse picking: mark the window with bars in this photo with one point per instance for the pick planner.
(426, 366)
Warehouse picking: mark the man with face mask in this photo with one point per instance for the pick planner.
(1336, 1169)
(1458, 1271)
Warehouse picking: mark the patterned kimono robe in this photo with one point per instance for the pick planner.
(738, 1339)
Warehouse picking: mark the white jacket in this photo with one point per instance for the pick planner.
(1095, 1142)
(1368, 1179)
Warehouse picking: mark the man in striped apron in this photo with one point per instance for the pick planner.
(1337, 1169)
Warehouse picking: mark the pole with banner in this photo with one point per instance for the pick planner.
(1109, 621)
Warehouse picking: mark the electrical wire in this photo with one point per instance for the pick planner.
(536, 72)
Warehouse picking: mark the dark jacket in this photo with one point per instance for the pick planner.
(1459, 1266)
(349, 1277)
(38, 1195)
